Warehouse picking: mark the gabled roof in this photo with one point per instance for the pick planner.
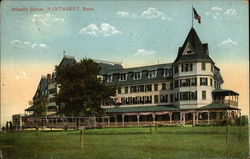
(105, 67)
(217, 75)
(67, 60)
(43, 84)
(200, 50)
(141, 68)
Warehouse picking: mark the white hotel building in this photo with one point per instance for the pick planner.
(187, 90)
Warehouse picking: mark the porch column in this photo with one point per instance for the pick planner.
(208, 115)
(193, 118)
(94, 121)
(197, 116)
(180, 117)
(122, 120)
(170, 118)
(138, 119)
(116, 120)
(184, 119)
(218, 115)
(108, 121)
(153, 115)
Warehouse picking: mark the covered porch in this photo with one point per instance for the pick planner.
(163, 115)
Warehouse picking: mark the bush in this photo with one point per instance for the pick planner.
(243, 120)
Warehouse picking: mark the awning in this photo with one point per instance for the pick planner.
(139, 109)
(224, 92)
(218, 106)
(31, 108)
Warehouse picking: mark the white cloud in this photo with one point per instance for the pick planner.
(207, 13)
(230, 12)
(44, 21)
(229, 42)
(122, 14)
(17, 43)
(21, 76)
(104, 29)
(26, 45)
(151, 13)
(214, 12)
(217, 9)
(143, 52)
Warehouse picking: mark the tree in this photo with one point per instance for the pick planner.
(40, 107)
(81, 92)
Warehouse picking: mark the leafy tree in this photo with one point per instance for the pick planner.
(81, 92)
(40, 108)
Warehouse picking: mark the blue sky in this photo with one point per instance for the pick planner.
(134, 32)
(156, 28)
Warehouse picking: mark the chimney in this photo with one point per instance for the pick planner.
(49, 78)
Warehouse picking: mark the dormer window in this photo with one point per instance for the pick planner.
(152, 74)
(137, 75)
(188, 50)
(123, 77)
(109, 78)
(167, 72)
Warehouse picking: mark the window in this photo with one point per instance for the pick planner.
(52, 100)
(119, 90)
(155, 98)
(203, 66)
(137, 75)
(211, 82)
(152, 74)
(52, 91)
(109, 78)
(203, 95)
(148, 88)
(193, 95)
(133, 89)
(171, 98)
(176, 83)
(126, 89)
(155, 87)
(191, 67)
(193, 81)
(164, 98)
(184, 96)
(176, 96)
(212, 68)
(186, 67)
(141, 88)
(148, 99)
(176, 70)
(184, 82)
(167, 72)
(203, 81)
(188, 96)
(164, 86)
(189, 50)
(123, 77)
(171, 86)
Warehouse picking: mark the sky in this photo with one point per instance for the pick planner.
(34, 35)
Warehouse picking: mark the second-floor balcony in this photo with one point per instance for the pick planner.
(226, 97)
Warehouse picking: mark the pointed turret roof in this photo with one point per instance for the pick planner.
(199, 50)
(67, 60)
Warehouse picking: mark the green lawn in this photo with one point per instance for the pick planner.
(126, 143)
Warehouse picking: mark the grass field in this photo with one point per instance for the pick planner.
(126, 143)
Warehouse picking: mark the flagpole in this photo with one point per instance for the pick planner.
(192, 16)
